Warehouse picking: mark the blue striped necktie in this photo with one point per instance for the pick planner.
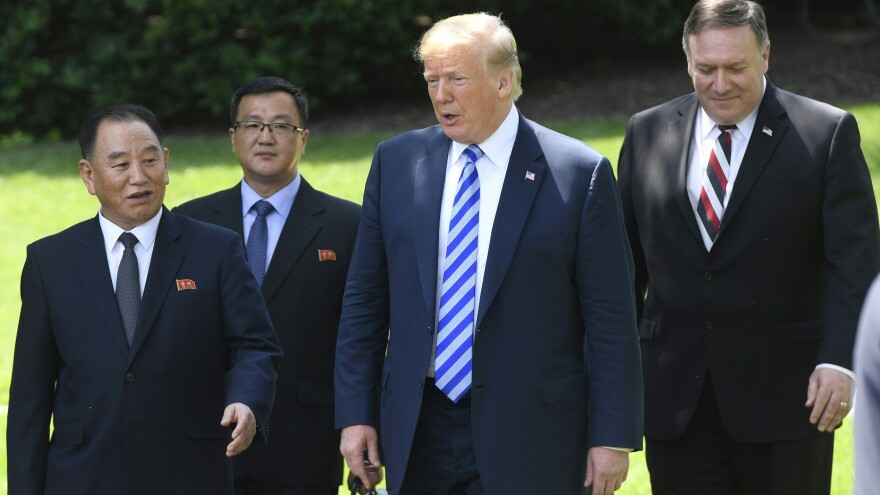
(452, 364)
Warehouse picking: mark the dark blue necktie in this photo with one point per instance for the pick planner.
(128, 286)
(258, 240)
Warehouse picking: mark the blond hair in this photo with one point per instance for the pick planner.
(481, 33)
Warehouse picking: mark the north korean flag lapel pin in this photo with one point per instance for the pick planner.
(326, 255)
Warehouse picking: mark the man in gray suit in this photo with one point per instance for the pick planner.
(867, 409)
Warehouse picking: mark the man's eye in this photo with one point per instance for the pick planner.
(252, 125)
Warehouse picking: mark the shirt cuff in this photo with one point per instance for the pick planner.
(619, 449)
(841, 369)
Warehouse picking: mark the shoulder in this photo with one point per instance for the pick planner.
(803, 108)
(673, 108)
(202, 233)
(559, 149)
(75, 233)
(419, 140)
(204, 203)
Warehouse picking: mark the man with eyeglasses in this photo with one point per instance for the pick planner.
(299, 242)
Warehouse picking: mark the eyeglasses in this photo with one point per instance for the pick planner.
(254, 128)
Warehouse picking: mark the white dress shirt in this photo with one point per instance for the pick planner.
(143, 250)
(491, 168)
(282, 202)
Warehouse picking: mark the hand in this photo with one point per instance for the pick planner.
(830, 394)
(245, 428)
(355, 441)
(606, 469)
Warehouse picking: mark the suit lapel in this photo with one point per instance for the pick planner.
(95, 272)
(517, 195)
(165, 262)
(758, 153)
(299, 230)
(428, 178)
(680, 135)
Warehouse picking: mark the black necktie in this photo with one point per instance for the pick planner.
(128, 287)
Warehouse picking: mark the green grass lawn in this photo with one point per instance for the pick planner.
(41, 193)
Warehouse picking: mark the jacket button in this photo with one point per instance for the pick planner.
(430, 330)
(129, 377)
(708, 275)
(421, 384)
(708, 325)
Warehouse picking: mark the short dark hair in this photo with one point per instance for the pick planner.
(124, 112)
(270, 84)
(713, 14)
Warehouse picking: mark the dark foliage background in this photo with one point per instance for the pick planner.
(61, 59)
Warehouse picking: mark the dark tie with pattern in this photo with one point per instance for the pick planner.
(128, 286)
(258, 240)
(710, 207)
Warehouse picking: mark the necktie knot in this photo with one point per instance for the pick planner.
(725, 128)
(473, 153)
(262, 207)
(128, 240)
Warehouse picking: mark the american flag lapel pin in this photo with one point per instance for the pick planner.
(530, 175)
(766, 130)
(185, 284)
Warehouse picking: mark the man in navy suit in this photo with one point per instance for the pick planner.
(143, 400)
(310, 239)
(754, 232)
(488, 341)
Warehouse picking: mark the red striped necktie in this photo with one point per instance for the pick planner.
(710, 207)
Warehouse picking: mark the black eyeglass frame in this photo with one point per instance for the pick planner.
(273, 126)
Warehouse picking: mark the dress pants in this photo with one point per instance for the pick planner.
(442, 460)
(251, 486)
(706, 460)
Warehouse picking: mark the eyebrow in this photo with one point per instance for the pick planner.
(119, 154)
(253, 117)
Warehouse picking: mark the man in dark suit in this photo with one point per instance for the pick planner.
(753, 227)
(494, 251)
(142, 387)
(310, 239)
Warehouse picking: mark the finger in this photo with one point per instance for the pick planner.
(228, 415)
(820, 404)
(834, 414)
(812, 390)
(373, 452)
(589, 480)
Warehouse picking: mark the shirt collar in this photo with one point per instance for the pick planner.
(146, 232)
(500, 144)
(709, 129)
(282, 200)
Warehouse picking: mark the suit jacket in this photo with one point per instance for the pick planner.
(304, 297)
(555, 357)
(781, 288)
(144, 419)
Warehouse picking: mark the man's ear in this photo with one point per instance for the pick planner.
(505, 83)
(85, 171)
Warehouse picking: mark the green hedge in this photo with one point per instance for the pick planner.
(60, 59)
